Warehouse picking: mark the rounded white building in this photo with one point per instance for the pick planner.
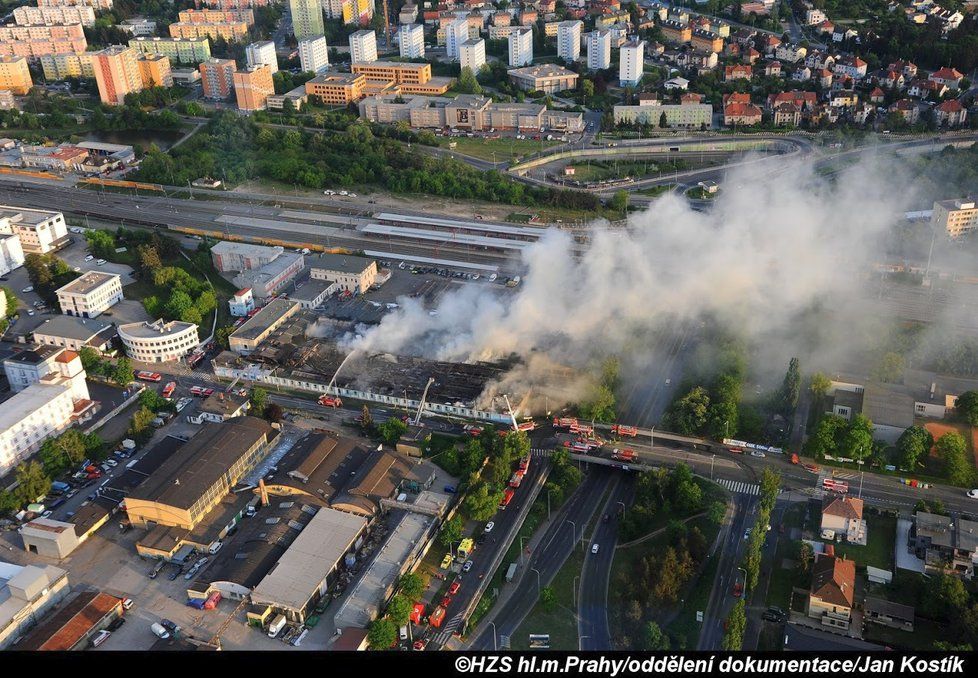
(158, 341)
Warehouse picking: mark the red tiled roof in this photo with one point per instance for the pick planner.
(834, 580)
(844, 507)
(951, 106)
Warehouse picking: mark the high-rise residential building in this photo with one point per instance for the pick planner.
(314, 55)
(521, 47)
(956, 217)
(116, 73)
(229, 30)
(252, 87)
(61, 66)
(350, 11)
(631, 65)
(49, 16)
(179, 50)
(363, 46)
(412, 41)
(94, 4)
(569, 40)
(262, 54)
(472, 54)
(307, 18)
(217, 78)
(43, 409)
(599, 50)
(36, 41)
(154, 70)
(456, 32)
(14, 74)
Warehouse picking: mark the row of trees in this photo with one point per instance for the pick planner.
(382, 634)
(65, 451)
(238, 149)
(47, 273)
(835, 436)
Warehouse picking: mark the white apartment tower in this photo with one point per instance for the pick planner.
(569, 40)
(521, 47)
(262, 54)
(363, 47)
(456, 32)
(599, 50)
(412, 41)
(472, 54)
(632, 63)
(314, 55)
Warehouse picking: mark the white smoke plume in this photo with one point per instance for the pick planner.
(770, 249)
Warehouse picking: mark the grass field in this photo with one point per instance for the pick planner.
(881, 542)
(496, 150)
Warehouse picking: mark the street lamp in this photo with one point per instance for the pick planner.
(495, 647)
(574, 526)
(580, 643)
(741, 569)
(574, 591)
(533, 569)
(712, 459)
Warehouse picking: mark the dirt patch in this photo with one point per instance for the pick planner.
(937, 429)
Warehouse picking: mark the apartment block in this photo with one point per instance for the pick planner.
(42, 410)
(179, 50)
(569, 40)
(412, 41)
(61, 66)
(262, 54)
(90, 295)
(472, 54)
(217, 78)
(154, 70)
(307, 19)
(456, 32)
(363, 46)
(599, 50)
(15, 76)
(521, 47)
(409, 78)
(216, 16)
(50, 16)
(955, 217)
(314, 55)
(229, 30)
(94, 4)
(682, 116)
(252, 87)
(36, 41)
(39, 231)
(631, 65)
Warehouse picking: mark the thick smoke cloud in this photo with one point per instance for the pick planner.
(773, 247)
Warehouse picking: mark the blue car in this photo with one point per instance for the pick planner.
(450, 489)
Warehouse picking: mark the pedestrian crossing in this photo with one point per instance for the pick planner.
(451, 626)
(740, 487)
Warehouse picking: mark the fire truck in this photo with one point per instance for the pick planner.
(516, 479)
(507, 497)
(833, 485)
(169, 389)
(526, 426)
(330, 401)
(622, 430)
(564, 422)
(201, 392)
(624, 454)
(149, 376)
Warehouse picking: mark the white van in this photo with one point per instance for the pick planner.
(276, 626)
(158, 629)
(404, 632)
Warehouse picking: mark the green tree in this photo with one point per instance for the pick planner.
(481, 503)
(466, 83)
(688, 414)
(411, 584)
(790, 388)
(451, 532)
(951, 447)
(140, 428)
(399, 610)
(819, 385)
(382, 634)
(913, 445)
(91, 359)
(733, 637)
(890, 368)
(653, 638)
(259, 401)
(122, 373)
(32, 482)
(824, 440)
(967, 407)
(548, 598)
(770, 487)
(716, 512)
(619, 202)
(392, 430)
(946, 596)
(149, 258)
(587, 88)
(366, 420)
(152, 400)
(516, 445)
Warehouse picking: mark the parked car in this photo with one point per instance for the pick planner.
(100, 262)
(127, 603)
(489, 527)
(116, 624)
(100, 637)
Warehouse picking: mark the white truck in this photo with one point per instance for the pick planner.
(276, 626)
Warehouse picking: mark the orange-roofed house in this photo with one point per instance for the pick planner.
(950, 113)
(831, 597)
(844, 517)
(949, 77)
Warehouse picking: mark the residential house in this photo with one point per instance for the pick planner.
(830, 599)
(738, 110)
(949, 77)
(944, 543)
(737, 72)
(888, 613)
(950, 113)
(907, 109)
(843, 517)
